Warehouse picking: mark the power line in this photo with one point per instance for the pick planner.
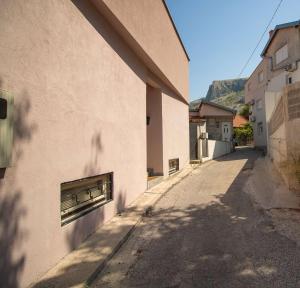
(261, 38)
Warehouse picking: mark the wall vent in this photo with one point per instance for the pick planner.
(81, 196)
(173, 165)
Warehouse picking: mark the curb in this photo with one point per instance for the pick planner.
(102, 265)
(100, 268)
(80, 268)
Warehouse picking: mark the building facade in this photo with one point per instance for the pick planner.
(280, 92)
(255, 89)
(217, 117)
(278, 69)
(96, 93)
(211, 130)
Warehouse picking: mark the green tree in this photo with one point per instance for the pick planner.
(245, 111)
(243, 135)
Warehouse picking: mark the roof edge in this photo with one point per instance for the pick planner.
(214, 105)
(276, 29)
(176, 31)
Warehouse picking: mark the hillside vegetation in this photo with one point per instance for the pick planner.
(230, 93)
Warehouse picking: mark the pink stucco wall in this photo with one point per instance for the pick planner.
(143, 19)
(80, 109)
(175, 130)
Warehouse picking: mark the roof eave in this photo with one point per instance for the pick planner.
(176, 31)
(277, 28)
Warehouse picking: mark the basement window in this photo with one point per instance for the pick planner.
(81, 196)
(173, 166)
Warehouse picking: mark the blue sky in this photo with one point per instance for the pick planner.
(220, 35)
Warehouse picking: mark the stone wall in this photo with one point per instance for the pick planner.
(214, 127)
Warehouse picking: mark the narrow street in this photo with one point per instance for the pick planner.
(206, 232)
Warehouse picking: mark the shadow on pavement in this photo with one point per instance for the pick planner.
(225, 243)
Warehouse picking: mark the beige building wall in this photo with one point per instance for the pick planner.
(214, 126)
(289, 36)
(80, 110)
(208, 110)
(214, 117)
(276, 74)
(255, 95)
(254, 89)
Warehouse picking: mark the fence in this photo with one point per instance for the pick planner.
(218, 148)
(284, 135)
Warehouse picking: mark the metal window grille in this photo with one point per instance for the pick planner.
(81, 196)
(173, 165)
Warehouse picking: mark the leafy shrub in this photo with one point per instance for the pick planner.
(243, 135)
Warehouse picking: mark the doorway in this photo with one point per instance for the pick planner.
(226, 131)
(154, 133)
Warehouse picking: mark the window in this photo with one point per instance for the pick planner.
(173, 165)
(81, 196)
(259, 128)
(259, 104)
(281, 54)
(260, 76)
(289, 80)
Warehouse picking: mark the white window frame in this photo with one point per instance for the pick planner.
(281, 54)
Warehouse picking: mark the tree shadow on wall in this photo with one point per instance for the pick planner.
(12, 234)
(84, 235)
(12, 210)
(91, 244)
(92, 167)
(121, 202)
(87, 224)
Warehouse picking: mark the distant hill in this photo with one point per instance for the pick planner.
(194, 104)
(230, 93)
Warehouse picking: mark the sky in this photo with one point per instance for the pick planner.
(219, 35)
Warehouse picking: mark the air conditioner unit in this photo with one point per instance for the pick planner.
(252, 118)
(291, 67)
(203, 135)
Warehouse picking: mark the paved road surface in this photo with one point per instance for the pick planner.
(207, 233)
